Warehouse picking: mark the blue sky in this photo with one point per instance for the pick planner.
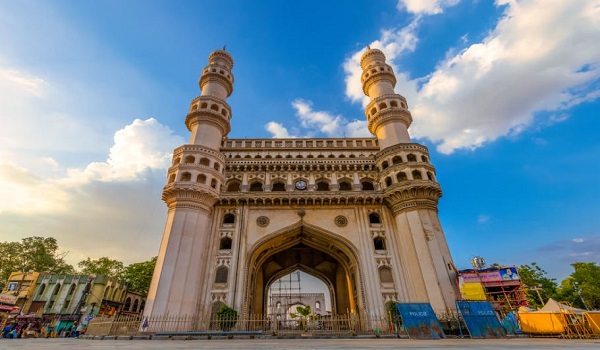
(93, 97)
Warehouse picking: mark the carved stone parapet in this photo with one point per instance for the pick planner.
(413, 194)
(401, 147)
(208, 116)
(189, 195)
(217, 78)
(369, 78)
(392, 114)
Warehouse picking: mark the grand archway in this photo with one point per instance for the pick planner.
(317, 252)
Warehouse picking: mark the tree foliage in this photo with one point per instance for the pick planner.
(582, 287)
(139, 275)
(226, 317)
(35, 253)
(536, 281)
(102, 266)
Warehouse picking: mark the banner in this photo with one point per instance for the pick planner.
(490, 275)
(8, 299)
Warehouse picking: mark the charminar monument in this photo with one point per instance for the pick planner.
(360, 214)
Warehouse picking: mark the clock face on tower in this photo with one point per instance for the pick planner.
(301, 185)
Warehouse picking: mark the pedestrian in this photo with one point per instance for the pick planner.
(78, 330)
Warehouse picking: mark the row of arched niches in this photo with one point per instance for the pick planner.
(401, 163)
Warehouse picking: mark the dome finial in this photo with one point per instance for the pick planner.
(224, 47)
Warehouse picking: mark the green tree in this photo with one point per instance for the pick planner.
(40, 254)
(226, 317)
(538, 284)
(139, 275)
(102, 266)
(582, 287)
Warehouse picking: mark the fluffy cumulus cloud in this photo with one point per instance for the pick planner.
(117, 200)
(140, 147)
(529, 66)
(427, 7)
(314, 122)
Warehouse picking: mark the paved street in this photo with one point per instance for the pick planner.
(288, 344)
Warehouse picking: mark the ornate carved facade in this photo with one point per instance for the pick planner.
(358, 213)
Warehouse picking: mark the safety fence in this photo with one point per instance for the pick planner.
(310, 326)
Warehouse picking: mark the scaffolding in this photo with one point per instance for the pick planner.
(283, 294)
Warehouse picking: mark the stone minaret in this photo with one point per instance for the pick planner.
(193, 187)
(410, 190)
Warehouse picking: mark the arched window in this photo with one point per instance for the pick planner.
(384, 165)
(278, 187)
(214, 107)
(367, 186)
(41, 291)
(186, 176)
(385, 275)
(401, 176)
(374, 218)
(388, 181)
(228, 218)
(213, 183)
(204, 161)
(56, 289)
(397, 160)
(430, 176)
(256, 186)
(379, 243)
(322, 186)
(201, 179)
(142, 305)
(417, 175)
(394, 104)
(221, 275)
(217, 167)
(233, 186)
(345, 186)
(225, 243)
(190, 160)
(204, 105)
(71, 290)
(424, 159)
(136, 303)
(411, 158)
(278, 305)
(127, 304)
(176, 161)
(317, 305)
(382, 105)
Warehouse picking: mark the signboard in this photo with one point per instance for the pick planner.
(8, 299)
(420, 321)
(480, 319)
(490, 275)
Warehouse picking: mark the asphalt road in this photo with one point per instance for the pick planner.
(304, 344)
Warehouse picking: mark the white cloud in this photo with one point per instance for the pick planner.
(539, 58)
(320, 122)
(277, 130)
(482, 219)
(144, 144)
(426, 7)
(14, 79)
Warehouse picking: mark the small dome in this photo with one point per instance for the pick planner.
(221, 57)
(370, 56)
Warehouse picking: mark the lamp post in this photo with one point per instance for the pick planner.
(537, 289)
(576, 287)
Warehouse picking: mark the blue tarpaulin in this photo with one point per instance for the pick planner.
(480, 319)
(420, 321)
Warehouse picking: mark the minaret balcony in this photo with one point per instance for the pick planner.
(388, 115)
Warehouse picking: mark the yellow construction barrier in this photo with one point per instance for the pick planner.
(542, 323)
(593, 319)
